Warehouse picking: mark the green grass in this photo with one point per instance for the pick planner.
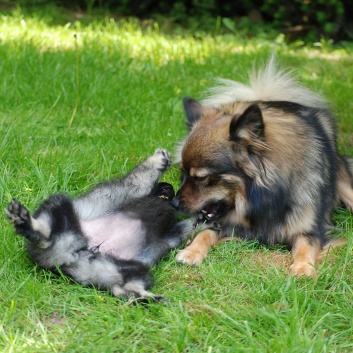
(75, 113)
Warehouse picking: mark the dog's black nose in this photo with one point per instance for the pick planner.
(175, 203)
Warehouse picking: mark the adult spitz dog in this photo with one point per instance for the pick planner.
(110, 236)
(261, 162)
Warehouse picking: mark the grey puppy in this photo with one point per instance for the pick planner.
(112, 235)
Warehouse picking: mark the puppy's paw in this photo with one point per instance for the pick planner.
(190, 257)
(17, 214)
(161, 160)
(147, 300)
(302, 269)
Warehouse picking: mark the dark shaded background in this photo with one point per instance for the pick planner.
(310, 19)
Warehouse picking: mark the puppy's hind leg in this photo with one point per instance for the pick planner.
(137, 293)
(53, 232)
(136, 283)
(36, 230)
(123, 278)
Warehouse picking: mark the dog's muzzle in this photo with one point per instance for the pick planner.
(175, 203)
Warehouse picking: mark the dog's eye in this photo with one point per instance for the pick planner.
(200, 178)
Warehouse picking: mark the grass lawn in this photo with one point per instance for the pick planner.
(78, 110)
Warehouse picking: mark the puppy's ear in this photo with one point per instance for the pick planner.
(248, 126)
(163, 191)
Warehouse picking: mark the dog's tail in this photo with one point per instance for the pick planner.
(267, 84)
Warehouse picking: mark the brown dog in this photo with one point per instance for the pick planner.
(261, 162)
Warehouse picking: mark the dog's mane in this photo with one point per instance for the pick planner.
(269, 83)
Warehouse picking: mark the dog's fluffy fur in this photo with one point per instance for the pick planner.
(261, 161)
(109, 237)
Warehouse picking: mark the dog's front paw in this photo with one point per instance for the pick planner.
(190, 257)
(302, 269)
(17, 213)
(161, 160)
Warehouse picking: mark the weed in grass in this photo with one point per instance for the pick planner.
(126, 103)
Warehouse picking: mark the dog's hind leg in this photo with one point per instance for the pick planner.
(305, 252)
(196, 252)
(345, 182)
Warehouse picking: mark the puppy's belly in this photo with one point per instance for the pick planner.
(118, 235)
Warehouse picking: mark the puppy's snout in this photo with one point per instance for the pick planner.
(176, 203)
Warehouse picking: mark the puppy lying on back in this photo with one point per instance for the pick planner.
(110, 236)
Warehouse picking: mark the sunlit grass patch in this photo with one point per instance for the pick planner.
(111, 36)
(141, 44)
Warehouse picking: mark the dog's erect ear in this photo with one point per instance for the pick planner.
(193, 110)
(248, 126)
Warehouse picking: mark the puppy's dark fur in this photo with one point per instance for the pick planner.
(109, 237)
(262, 162)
